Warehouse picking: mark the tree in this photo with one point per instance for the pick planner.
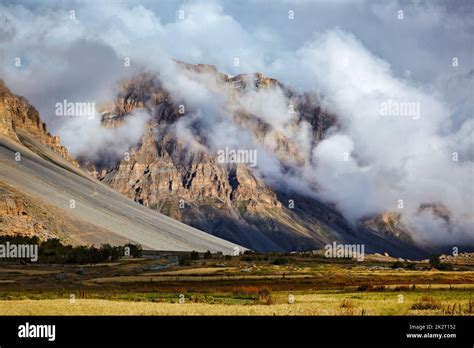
(280, 261)
(136, 250)
(435, 261)
(184, 260)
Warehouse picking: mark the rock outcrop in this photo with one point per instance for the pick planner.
(17, 116)
(23, 215)
(44, 194)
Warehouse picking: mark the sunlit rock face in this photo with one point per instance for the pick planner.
(187, 181)
(17, 116)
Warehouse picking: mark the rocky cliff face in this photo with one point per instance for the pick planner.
(389, 223)
(17, 116)
(43, 194)
(24, 215)
(226, 200)
(187, 182)
(16, 217)
(19, 213)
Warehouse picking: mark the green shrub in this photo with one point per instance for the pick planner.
(365, 287)
(435, 262)
(280, 261)
(136, 250)
(406, 265)
(398, 264)
(184, 260)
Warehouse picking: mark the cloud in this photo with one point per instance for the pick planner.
(392, 158)
(389, 158)
(272, 106)
(87, 138)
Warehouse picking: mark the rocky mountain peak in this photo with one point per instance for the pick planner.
(187, 182)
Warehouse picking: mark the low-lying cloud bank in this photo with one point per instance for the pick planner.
(414, 157)
(401, 144)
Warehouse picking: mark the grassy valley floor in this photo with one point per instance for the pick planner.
(244, 285)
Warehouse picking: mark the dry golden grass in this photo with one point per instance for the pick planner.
(327, 303)
(104, 307)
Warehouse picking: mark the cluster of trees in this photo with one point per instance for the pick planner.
(53, 251)
(185, 259)
(407, 265)
(435, 262)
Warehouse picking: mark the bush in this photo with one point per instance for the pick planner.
(397, 264)
(426, 303)
(406, 265)
(194, 255)
(265, 296)
(136, 250)
(365, 287)
(435, 262)
(446, 267)
(280, 261)
(184, 260)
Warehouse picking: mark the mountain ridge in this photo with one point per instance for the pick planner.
(45, 193)
(227, 201)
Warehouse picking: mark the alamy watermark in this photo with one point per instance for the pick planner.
(28, 330)
(401, 109)
(346, 251)
(84, 109)
(238, 156)
(19, 251)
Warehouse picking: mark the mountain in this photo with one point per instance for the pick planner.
(231, 201)
(44, 192)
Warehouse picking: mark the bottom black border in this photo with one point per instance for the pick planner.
(228, 331)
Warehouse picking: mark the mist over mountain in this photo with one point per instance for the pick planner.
(174, 86)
